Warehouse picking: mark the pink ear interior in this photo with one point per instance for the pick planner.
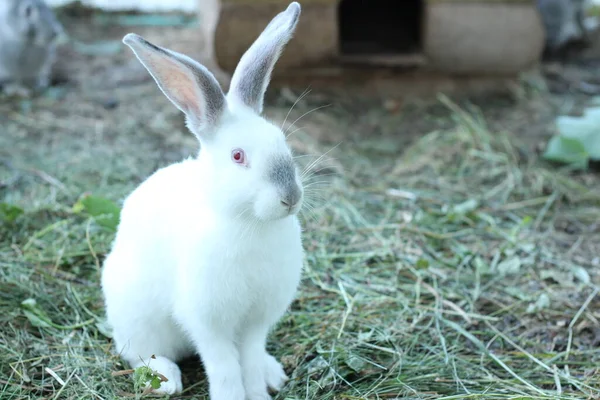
(176, 81)
(185, 82)
(174, 78)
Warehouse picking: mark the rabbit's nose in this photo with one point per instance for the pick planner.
(291, 199)
(289, 207)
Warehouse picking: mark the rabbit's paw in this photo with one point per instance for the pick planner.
(225, 391)
(274, 375)
(169, 370)
(170, 387)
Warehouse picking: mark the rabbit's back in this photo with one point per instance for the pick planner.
(139, 274)
(152, 215)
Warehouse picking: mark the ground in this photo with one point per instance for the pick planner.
(445, 258)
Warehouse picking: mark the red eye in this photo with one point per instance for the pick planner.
(238, 156)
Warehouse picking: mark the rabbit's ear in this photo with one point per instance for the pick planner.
(188, 84)
(252, 75)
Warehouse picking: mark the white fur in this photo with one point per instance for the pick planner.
(206, 258)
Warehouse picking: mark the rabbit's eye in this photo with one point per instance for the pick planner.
(238, 156)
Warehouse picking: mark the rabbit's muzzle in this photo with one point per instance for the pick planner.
(284, 178)
(291, 198)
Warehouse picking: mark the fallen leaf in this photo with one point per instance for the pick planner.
(509, 266)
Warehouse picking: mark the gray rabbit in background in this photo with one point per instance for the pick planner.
(29, 32)
(564, 22)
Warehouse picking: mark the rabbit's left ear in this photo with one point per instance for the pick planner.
(253, 73)
(188, 84)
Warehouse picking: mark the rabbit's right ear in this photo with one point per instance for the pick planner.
(188, 84)
(252, 75)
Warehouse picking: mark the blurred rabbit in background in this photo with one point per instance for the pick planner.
(29, 32)
(564, 22)
(208, 14)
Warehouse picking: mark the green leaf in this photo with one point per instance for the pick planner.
(144, 376)
(586, 129)
(509, 266)
(578, 140)
(355, 363)
(568, 151)
(155, 382)
(422, 263)
(9, 213)
(40, 319)
(562, 278)
(526, 221)
(481, 265)
(466, 207)
(582, 275)
(105, 212)
(35, 315)
(541, 303)
(141, 375)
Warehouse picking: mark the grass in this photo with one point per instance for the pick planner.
(458, 266)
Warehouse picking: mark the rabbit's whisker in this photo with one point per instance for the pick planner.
(303, 115)
(303, 95)
(294, 131)
(309, 211)
(305, 155)
(312, 164)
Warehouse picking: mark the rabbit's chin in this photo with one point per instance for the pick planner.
(268, 214)
(272, 210)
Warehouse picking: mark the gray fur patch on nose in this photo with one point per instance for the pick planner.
(283, 175)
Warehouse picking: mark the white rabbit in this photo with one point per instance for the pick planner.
(28, 37)
(208, 254)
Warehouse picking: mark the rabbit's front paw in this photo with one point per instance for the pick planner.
(227, 391)
(169, 370)
(271, 376)
(274, 375)
(172, 386)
